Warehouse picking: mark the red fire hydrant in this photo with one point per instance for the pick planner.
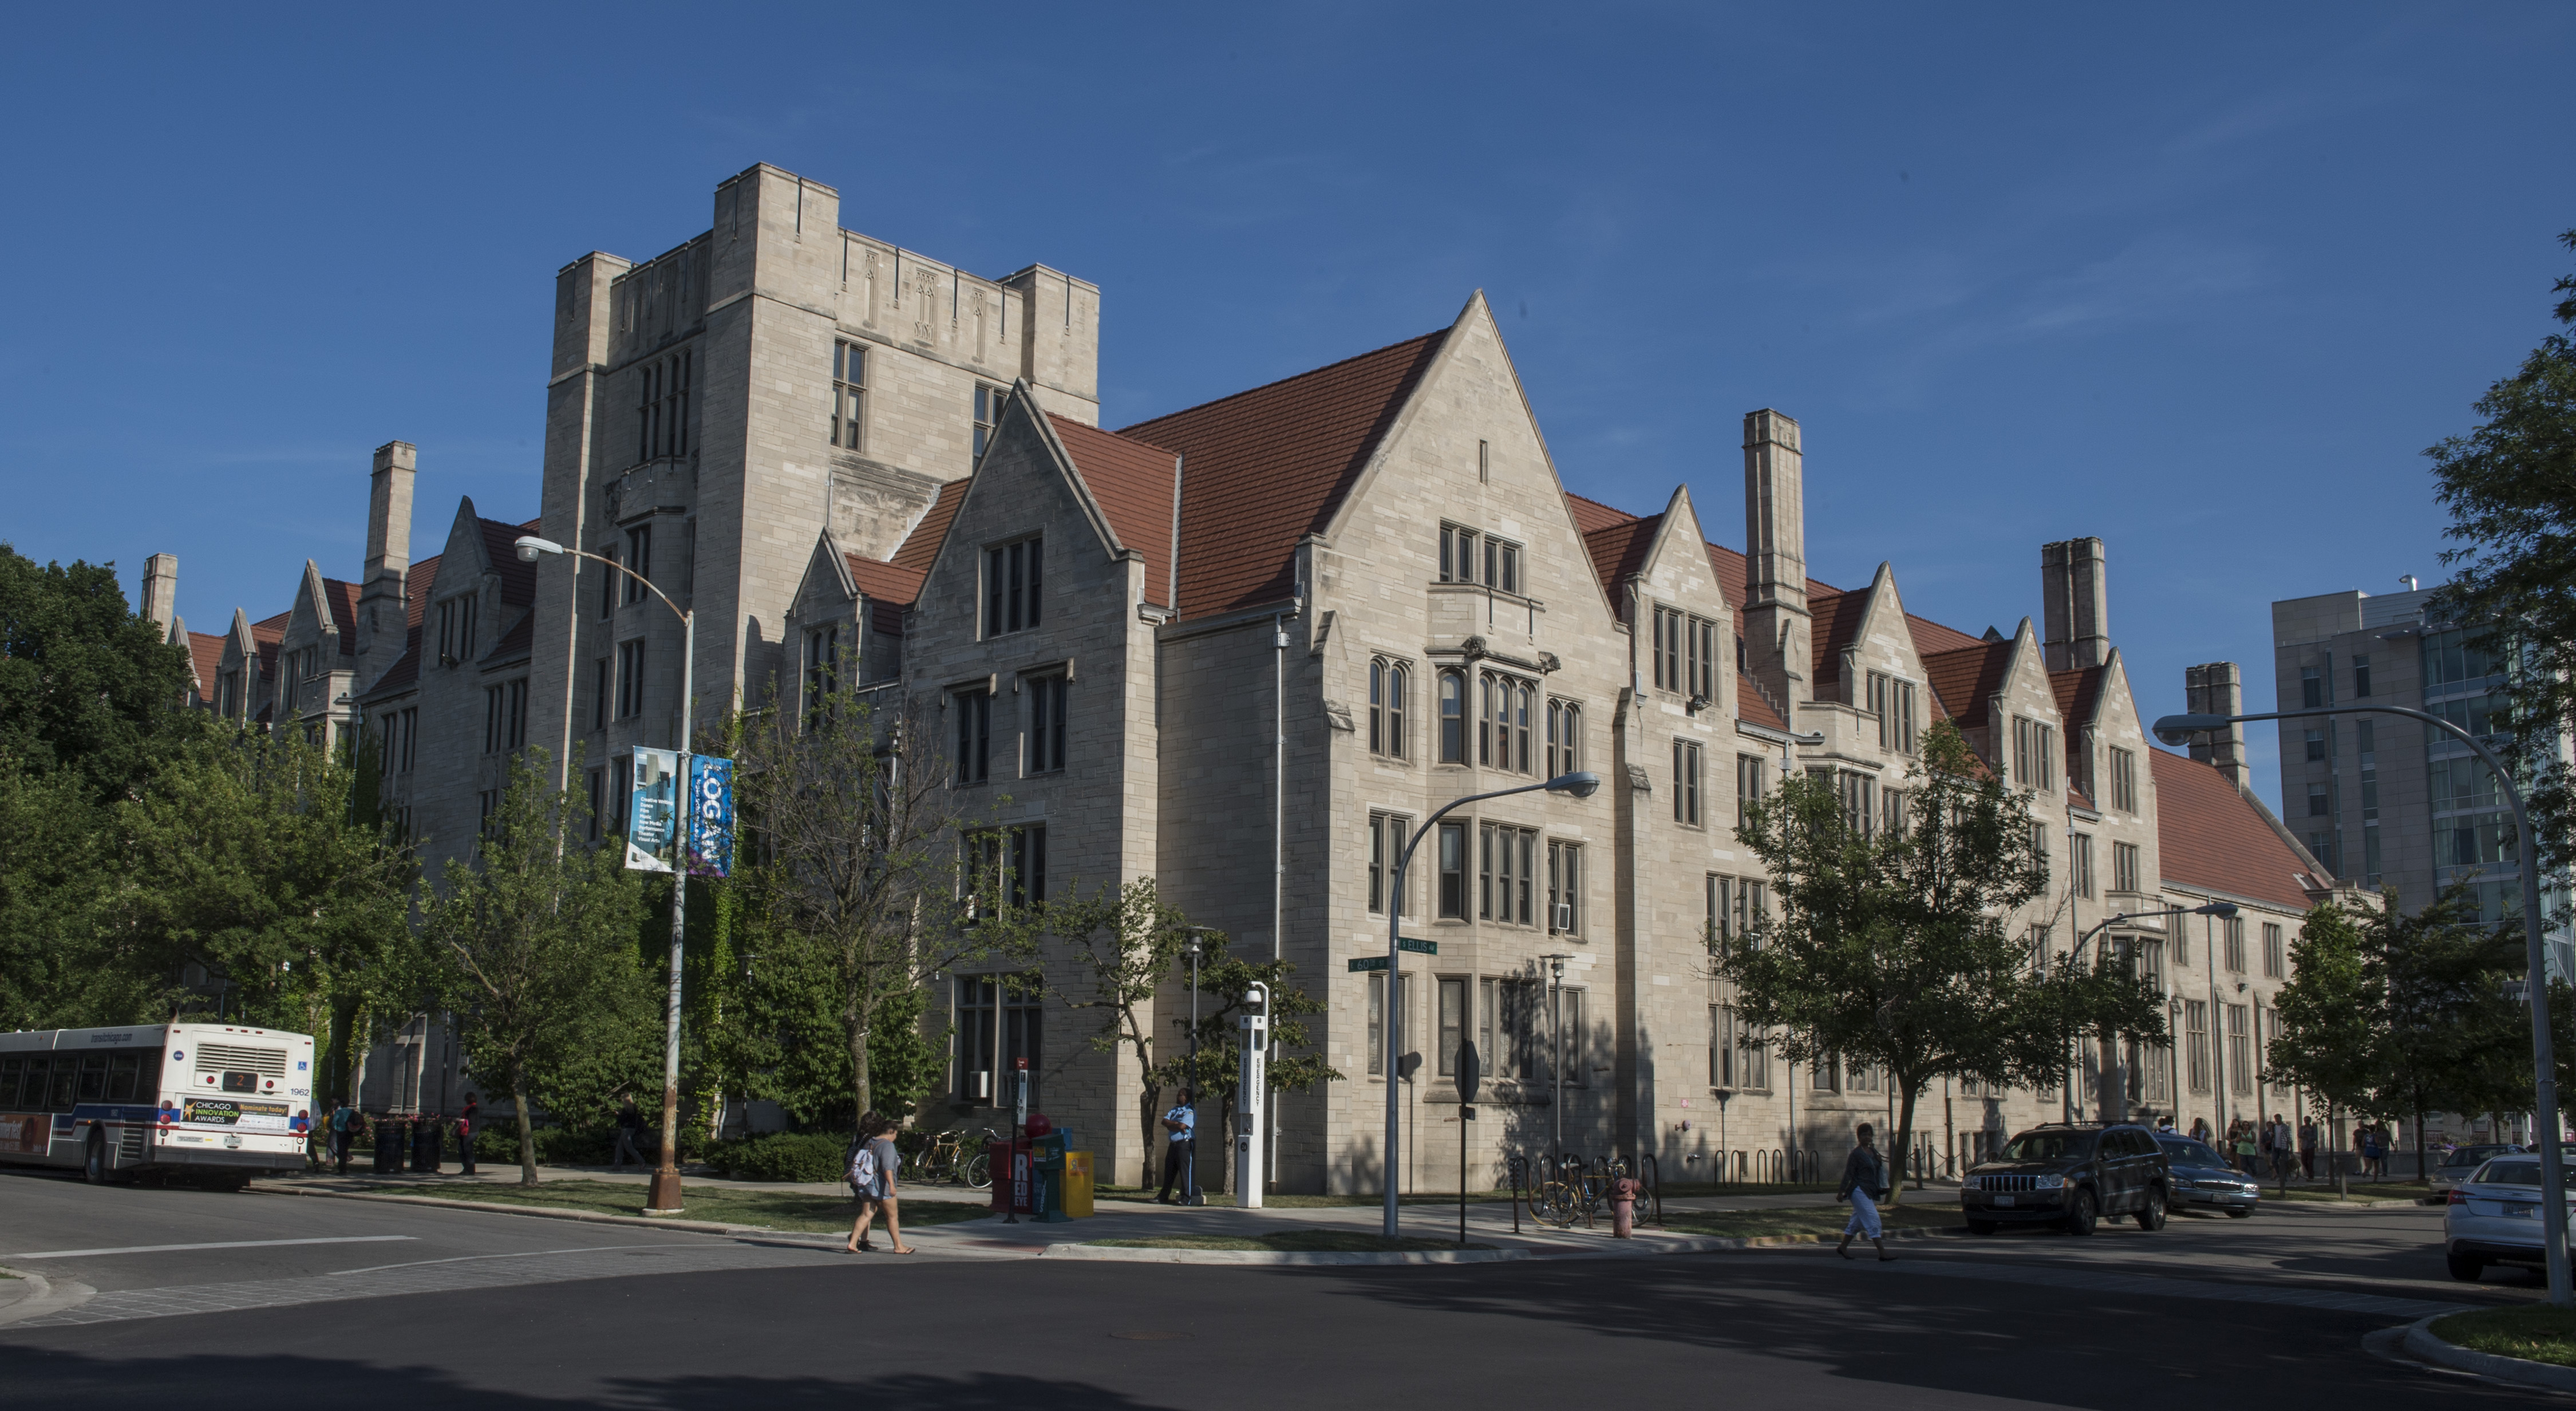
(1623, 1207)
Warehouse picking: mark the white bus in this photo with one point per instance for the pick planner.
(214, 1100)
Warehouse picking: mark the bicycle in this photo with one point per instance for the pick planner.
(944, 1156)
(1569, 1194)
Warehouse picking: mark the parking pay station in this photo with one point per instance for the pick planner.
(1252, 1097)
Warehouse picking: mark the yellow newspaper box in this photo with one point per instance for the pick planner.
(1077, 1184)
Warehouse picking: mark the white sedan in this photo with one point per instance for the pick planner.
(2494, 1217)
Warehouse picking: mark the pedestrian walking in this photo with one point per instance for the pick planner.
(2200, 1129)
(2284, 1146)
(2369, 1139)
(629, 1123)
(2245, 1155)
(1864, 1184)
(2308, 1148)
(1180, 1152)
(465, 1136)
(344, 1119)
(872, 1175)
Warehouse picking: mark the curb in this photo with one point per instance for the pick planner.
(2421, 1343)
(1126, 1254)
(1705, 1244)
(48, 1297)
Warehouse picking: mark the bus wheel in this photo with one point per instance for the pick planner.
(94, 1165)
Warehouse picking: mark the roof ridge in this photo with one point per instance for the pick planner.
(1275, 382)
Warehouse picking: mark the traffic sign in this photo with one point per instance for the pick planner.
(1417, 947)
(1368, 962)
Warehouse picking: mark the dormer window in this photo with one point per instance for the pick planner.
(2034, 755)
(1011, 579)
(1684, 647)
(456, 630)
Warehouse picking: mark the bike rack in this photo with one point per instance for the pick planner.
(1646, 1162)
(1519, 1165)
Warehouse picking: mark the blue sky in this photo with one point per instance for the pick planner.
(2204, 284)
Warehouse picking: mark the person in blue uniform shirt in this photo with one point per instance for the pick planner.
(1180, 1147)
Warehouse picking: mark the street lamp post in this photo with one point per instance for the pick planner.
(1190, 1172)
(1581, 784)
(2076, 956)
(2178, 729)
(1556, 1047)
(664, 1197)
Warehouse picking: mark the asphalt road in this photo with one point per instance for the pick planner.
(412, 1306)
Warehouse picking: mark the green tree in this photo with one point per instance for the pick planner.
(533, 946)
(871, 880)
(1225, 991)
(2510, 486)
(1123, 945)
(1893, 946)
(259, 858)
(2398, 1016)
(86, 686)
(58, 967)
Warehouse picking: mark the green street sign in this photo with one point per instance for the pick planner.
(1368, 962)
(1417, 947)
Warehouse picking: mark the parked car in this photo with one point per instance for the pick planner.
(2203, 1177)
(2071, 1174)
(2462, 1163)
(2494, 1217)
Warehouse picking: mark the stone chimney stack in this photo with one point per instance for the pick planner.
(2218, 688)
(161, 590)
(382, 616)
(1777, 628)
(2073, 606)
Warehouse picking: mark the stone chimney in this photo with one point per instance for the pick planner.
(382, 616)
(2218, 688)
(161, 590)
(1777, 628)
(2074, 614)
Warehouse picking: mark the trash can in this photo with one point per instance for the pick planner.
(387, 1134)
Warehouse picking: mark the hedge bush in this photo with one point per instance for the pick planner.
(781, 1156)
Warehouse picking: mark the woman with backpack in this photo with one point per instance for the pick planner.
(872, 1168)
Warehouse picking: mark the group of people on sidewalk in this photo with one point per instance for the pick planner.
(422, 1135)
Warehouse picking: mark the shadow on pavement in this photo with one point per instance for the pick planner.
(43, 1377)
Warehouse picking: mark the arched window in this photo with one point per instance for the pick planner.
(1453, 717)
(1521, 757)
(1564, 734)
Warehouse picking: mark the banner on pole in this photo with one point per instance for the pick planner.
(653, 812)
(710, 816)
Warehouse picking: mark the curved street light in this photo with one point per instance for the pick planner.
(2222, 909)
(1581, 784)
(2178, 730)
(664, 1198)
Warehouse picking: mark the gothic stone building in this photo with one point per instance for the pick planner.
(1242, 648)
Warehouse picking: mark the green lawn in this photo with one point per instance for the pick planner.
(1289, 1242)
(2535, 1333)
(1804, 1220)
(777, 1210)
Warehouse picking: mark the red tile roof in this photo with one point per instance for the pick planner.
(343, 601)
(1619, 549)
(2078, 691)
(406, 668)
(206, 655)
(1966, 679)
(519, 580)
(1836, 622)
(417, 586)
(920, 549)
(2209, 836)
(1267, 467)
(1133, 482)
(883, 582)
(1753, 707)
(1591, 515)
(1930, 636)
